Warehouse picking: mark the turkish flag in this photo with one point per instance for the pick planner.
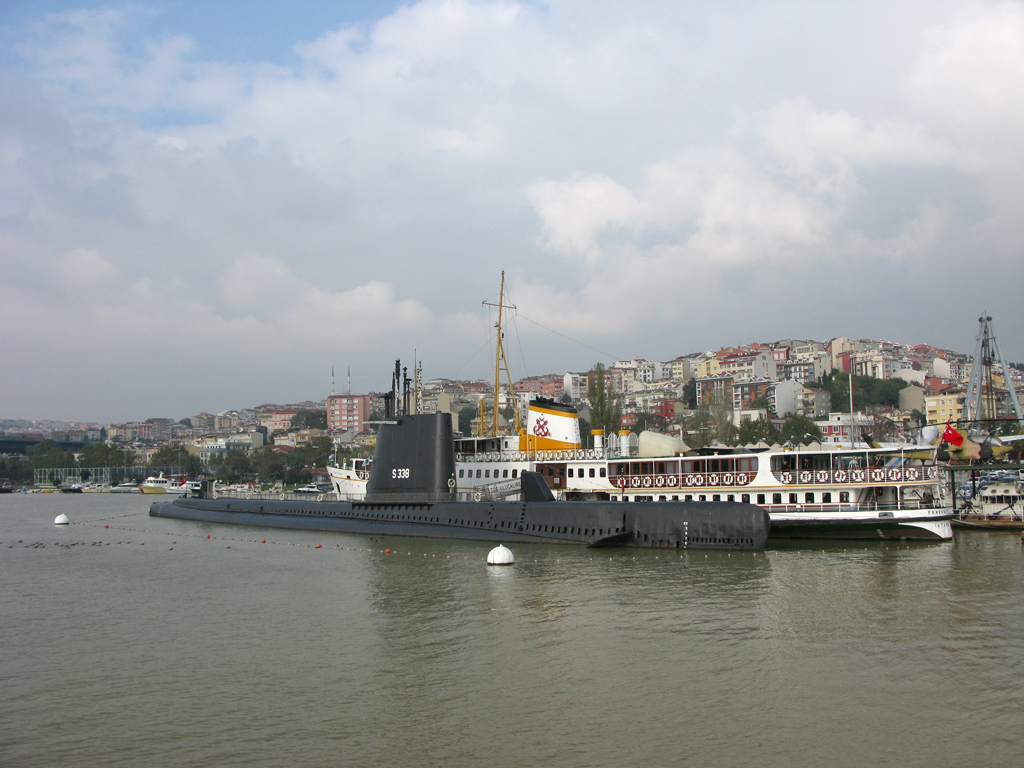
(952, 437)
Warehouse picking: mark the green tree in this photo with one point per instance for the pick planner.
(605, 409)
(466, 415)
(700, 430)
(309, 420)
(47, 454)
(690, 393)
(799, 429)
(169, 456)
(648, 421)
(268, 463)
(756, 431)
(235, 467)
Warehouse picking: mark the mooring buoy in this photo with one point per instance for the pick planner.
(500, 555)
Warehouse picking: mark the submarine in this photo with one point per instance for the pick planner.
(412, 491)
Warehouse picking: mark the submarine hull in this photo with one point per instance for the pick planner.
(708, 525)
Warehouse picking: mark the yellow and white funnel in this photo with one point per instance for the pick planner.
(551, 426)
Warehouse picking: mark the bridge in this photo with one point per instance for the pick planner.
(22, 444)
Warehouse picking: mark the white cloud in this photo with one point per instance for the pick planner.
(636, 170)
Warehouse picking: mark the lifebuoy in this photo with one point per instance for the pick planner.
(911, 473)
(634, 482)
(698, 479)
(647, 481)
(319, 497)
(822, 476)
(281, 497)
(659, 481)
(840, 475)
(727, 478)
(787, 477)
(877, 475)
(690, 480)
(857, 475)
(805, 477)
(248, 495)
(713, 479)
(672, 480)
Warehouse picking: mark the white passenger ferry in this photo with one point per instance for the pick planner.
(822, 493)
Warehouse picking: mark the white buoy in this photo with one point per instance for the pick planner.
(500, 555)
(61, 519)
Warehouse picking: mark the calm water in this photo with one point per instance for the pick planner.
(147, 644)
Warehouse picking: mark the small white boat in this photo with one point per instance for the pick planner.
(349, 481)
(125, 487)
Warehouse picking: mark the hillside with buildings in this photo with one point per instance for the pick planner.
(897, 388)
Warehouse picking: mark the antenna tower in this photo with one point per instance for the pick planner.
(500, 361)
(981, 403)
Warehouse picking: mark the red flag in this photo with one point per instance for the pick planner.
(952, 437)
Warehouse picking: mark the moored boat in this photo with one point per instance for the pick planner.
(1000, 506)
(161, 484)
(815, 493)
(349, 480)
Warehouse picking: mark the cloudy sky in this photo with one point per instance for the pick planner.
(210, 205)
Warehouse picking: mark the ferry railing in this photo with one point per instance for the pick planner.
(856, 475)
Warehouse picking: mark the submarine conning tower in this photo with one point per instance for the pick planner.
(414, 461)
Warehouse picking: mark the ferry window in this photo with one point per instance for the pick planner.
(732, 497)
(504, 473)
(462, 473)
(826, 498)
(792, 498)
(662, 498)
(591, 471)
(689, 497)
(760, 498)
(487, 473)
(702, 497)
(514, 473)
(745, 498)
(809, 498)
(844, 497)
(776, 498)
(716, 497)
(570, 471)
(602, 472)
(478, 473)
(660, 468)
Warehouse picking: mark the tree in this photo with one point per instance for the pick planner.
(799, 429)
(700, 429)
(47, 454)
(466, 415)
(646, 420)
(605, 409)
(309, 420)
(169, 456)
(234, 467)
(756, 431)
(268, 463)
(690, 393)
